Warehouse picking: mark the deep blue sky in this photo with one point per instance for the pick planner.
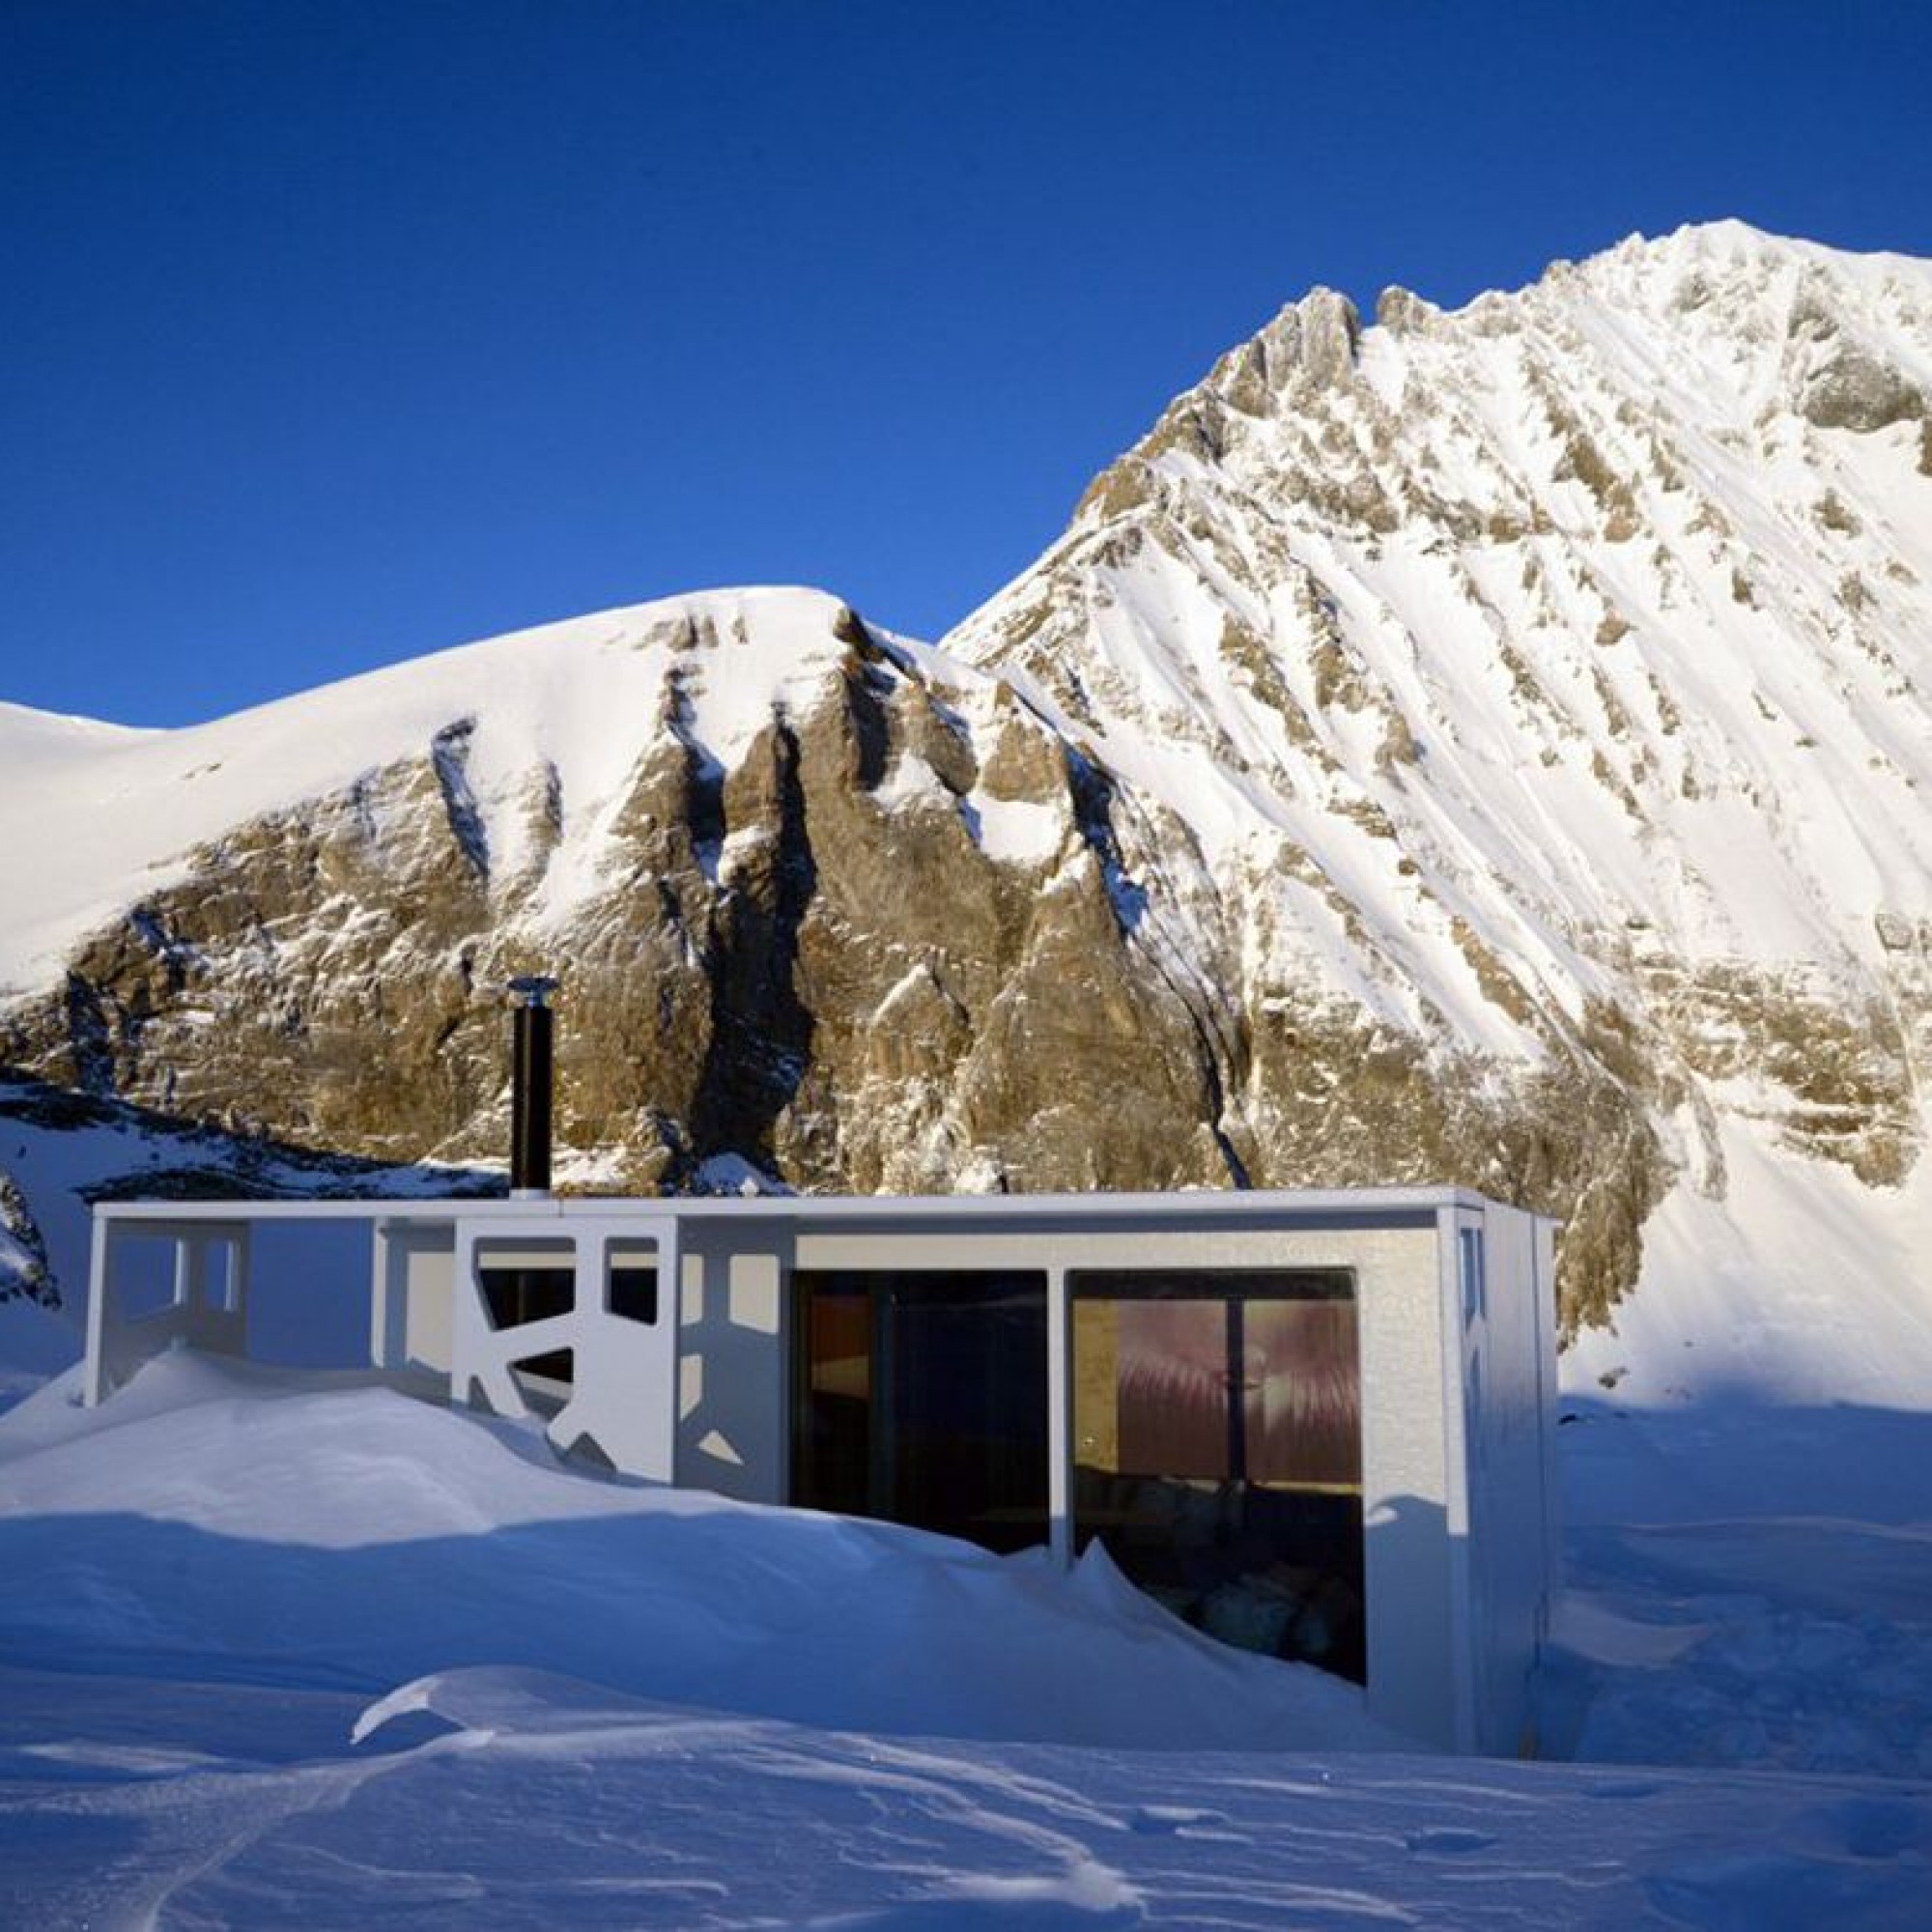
(335, 333)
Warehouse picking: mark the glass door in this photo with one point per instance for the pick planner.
(1217, 1450)
(921, 1400)
(832, 1448)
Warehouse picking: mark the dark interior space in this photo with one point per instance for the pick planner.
(923, 1400)
(518, 1291)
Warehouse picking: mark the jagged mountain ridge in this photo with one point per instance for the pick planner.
(1547, 679)
(1487, 746)
(815, 889)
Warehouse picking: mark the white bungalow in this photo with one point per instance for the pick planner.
(1318, 1424)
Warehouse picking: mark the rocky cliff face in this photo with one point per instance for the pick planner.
(1545, 687)
(1488, 746)
(24, 1274)
(822, 899)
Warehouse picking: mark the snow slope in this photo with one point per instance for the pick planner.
(282, 1654)
(116, 813)
(1796, 1285)
(1599, 590)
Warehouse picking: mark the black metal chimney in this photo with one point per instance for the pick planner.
(531, 1087)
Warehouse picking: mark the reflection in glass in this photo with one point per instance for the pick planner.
(1304, 1395)
(1173, 1388)
(1217, 1426)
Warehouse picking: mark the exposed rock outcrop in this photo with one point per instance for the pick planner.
(1488, 746)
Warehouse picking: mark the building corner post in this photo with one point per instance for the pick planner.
(94, 1390)
(1060, 1446)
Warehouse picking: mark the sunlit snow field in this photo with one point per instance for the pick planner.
(281, 1654)
(277, 1655)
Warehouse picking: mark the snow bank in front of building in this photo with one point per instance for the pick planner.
(281, 1652)
(230, 1519)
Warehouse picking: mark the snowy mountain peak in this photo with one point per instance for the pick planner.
(1657, 525)
(566, 710)
(1722, 282)
(1490, 745)
(1545, 666)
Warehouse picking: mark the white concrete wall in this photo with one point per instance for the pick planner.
(1412, 1497)
(199, 1269)
(622, 1404)
(1507, 1366)
(735, 1366)
(415, 1268)
(625, 1392)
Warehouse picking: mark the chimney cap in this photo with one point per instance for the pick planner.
(534, 990)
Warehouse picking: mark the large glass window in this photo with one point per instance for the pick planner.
(1217, 1449)
(923, 1400)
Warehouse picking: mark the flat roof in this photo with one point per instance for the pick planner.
(1392, 1206)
